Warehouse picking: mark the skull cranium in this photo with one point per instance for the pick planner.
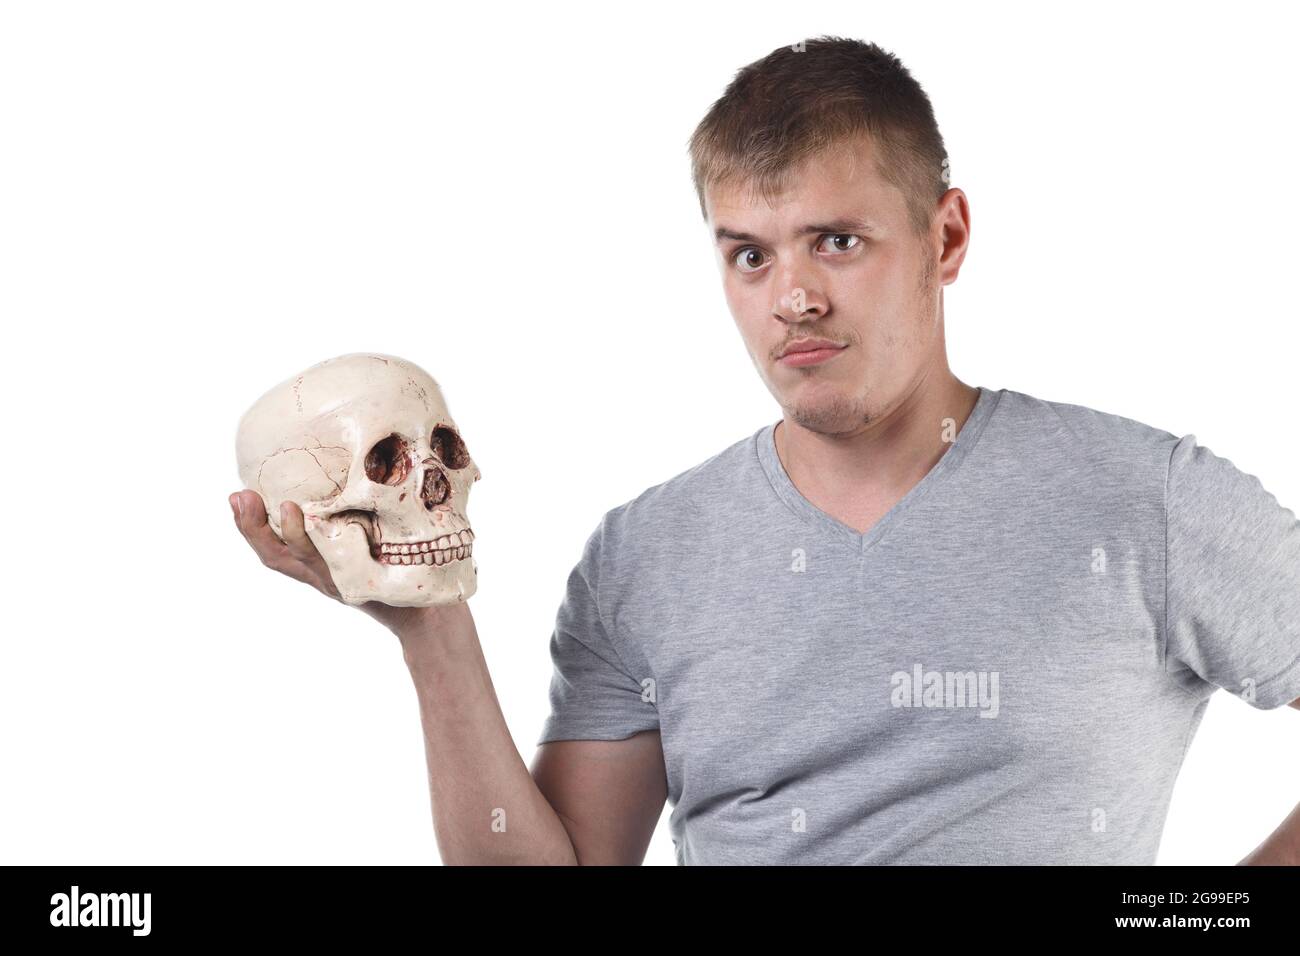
(364, 444)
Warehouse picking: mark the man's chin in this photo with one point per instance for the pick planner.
(832, 415)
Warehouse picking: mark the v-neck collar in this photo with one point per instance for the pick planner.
(861, 541)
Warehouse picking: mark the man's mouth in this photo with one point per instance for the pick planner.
(810, 352)
(450, 547)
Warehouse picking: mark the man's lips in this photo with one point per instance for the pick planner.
(809, 352)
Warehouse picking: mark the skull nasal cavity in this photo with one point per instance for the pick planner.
(449, 448)
(435, 488)
(389, 462)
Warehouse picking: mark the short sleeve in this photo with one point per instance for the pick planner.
(593, 696)
(1232, 580)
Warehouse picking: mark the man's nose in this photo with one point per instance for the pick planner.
(800, 303)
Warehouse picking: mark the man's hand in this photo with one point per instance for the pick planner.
(296, 556)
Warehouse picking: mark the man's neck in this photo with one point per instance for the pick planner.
(857, 479)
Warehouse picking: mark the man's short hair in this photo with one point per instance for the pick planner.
(802, 100)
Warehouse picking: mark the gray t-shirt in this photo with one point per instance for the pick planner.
(1007, 668)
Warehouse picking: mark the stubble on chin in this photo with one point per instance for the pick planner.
(837, 415)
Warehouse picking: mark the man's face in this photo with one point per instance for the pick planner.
(836, 259)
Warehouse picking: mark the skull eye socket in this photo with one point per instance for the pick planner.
(389, 462)
(449, 448)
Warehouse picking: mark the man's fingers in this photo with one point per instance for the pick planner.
(295, 534)
(302, 547)
(248, 508)
(295, 555)
(250, 517)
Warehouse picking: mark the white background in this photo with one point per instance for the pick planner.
(198, 200)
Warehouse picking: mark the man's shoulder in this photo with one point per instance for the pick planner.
(1058, 431)
(691, 495)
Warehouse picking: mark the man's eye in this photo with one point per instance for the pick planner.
(748, 259)
(843, 248)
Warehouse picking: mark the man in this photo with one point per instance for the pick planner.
(914, 621)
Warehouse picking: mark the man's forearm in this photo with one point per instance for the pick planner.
(487, 809)
(1282, 848)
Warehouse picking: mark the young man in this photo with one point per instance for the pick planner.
(913, 621)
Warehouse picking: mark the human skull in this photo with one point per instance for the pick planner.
(364, 444)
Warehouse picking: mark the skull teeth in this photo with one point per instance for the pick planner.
(450, 547)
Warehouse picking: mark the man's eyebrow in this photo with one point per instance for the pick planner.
(834, 227)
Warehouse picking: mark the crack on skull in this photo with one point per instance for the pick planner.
(419, 390)
(338, 489)
(319, 446)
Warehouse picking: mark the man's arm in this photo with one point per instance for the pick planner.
(486, 808)
(608, 793)
(1282, 848)
(586, 802)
